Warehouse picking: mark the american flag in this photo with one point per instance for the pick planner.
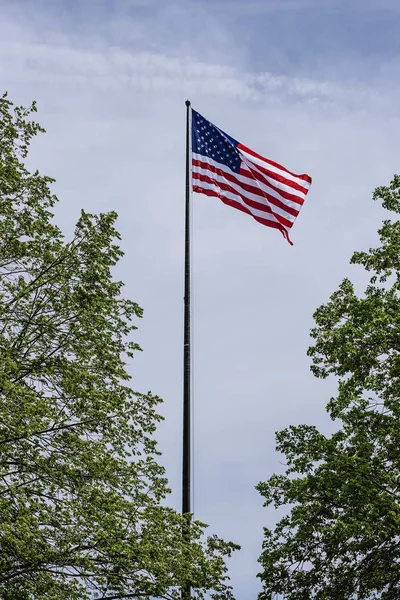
(241, 178)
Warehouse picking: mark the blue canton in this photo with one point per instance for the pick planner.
(210, 141)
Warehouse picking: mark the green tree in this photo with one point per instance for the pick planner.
(340, 538)
(81, 491)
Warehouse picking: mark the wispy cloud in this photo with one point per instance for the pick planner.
(112, 67)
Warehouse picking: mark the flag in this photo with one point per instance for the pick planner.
(241, 178)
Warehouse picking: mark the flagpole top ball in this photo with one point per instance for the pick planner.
(187, 102)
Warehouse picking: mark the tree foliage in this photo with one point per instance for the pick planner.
(340, 538)
(81, 491)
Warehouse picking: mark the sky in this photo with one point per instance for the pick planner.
(308, 83)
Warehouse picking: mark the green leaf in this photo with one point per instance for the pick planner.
(82, 494)
(339, 538)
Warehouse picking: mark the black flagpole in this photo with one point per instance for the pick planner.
(186, 458)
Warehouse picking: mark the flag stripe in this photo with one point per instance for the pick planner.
(254, 172)
(270, 222)
(254, 208)
(255, 200)
(274, 179)
(254, 157)
(255, 180)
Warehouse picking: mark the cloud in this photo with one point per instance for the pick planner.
(111, 85)
(112, 68)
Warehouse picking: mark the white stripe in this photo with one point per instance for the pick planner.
(231, 196)
(240, 190)
(248, 165)
(246, 180)
(267, 165)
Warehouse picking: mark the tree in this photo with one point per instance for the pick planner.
(340, 538)
(81, 490)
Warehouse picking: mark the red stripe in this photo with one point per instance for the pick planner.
(293, 184)
(304, 177)
(249, 188)
(239, 206)
(252, 203)
(255, 173)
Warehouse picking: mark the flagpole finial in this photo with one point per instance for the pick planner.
(187, 102)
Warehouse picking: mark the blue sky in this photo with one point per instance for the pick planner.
(309, 83)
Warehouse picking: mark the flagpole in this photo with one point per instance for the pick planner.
(186, 456)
